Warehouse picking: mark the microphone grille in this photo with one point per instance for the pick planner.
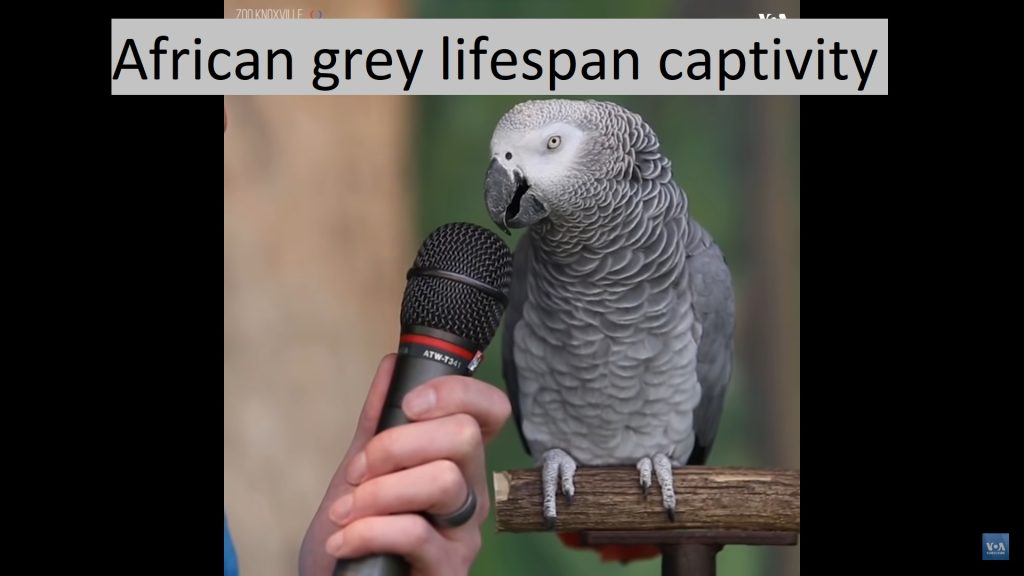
(457, 307)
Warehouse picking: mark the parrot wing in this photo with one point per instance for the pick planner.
(714, 309)
(514, 312)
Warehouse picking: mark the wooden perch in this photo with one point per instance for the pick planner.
(710, 500)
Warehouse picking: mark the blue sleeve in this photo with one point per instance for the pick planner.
(230, 559)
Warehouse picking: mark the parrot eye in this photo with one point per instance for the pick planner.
(553, 142)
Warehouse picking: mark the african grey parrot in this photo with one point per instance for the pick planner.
(619, 335)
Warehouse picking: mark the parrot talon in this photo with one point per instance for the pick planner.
(663, 471)
(556, 465)
(644, 466)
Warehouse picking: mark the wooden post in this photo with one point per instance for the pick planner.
(715, 507)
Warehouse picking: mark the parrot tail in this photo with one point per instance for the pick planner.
(612, 552)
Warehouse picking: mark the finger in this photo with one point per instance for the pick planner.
(365, 429)
(456, 438)
(458, 394)
(437, 487)
(407, 535)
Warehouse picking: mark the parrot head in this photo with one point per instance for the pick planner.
(546, 156)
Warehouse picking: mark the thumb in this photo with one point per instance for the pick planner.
(374, 404)
(367, 426)
(313, 558)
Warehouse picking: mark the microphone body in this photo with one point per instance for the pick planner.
(423, 354)
(453, 303)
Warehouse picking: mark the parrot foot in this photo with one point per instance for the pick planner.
(644, 466)
(557, 464)
(663, 471)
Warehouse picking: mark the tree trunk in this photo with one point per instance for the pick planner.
(317, 238)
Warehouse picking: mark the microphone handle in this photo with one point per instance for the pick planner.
(417, 363)
(410, 372)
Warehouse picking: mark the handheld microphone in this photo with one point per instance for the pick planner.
(455, 295)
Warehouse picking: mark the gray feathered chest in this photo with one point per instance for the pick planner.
(606, 348)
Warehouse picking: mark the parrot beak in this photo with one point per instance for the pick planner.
(510, 200)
